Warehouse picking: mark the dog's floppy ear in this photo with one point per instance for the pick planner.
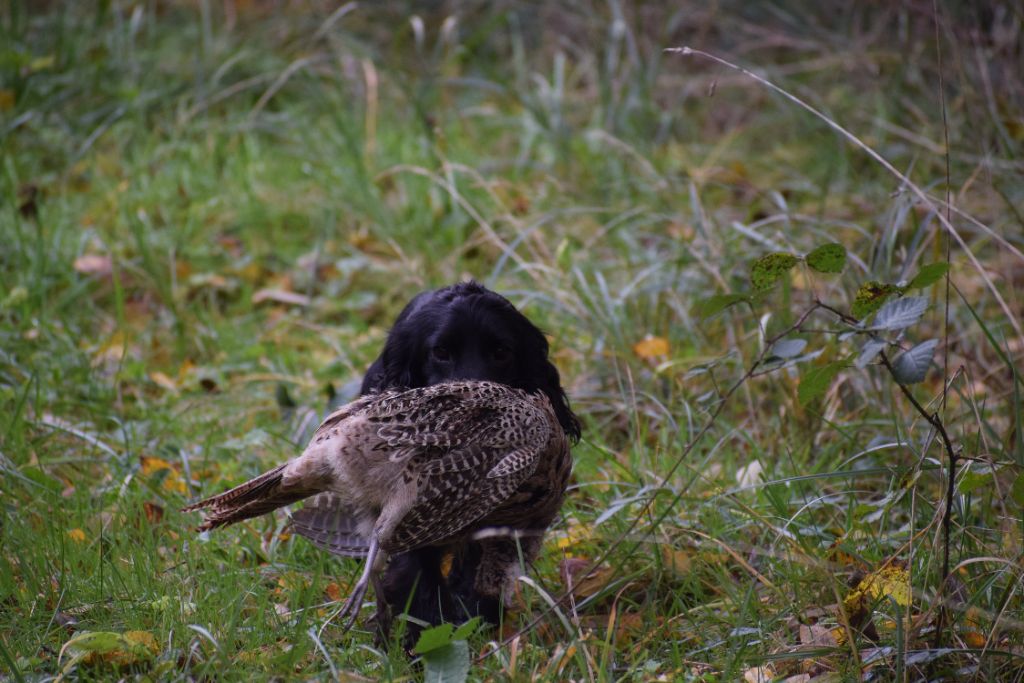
(560, 402)
(400, 363)
(551, 384)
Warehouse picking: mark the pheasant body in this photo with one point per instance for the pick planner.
(399, 470)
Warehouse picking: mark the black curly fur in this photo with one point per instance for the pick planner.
(463, 331)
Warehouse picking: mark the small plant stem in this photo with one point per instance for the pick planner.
(940, 624)
(935, 420)
(723, 400)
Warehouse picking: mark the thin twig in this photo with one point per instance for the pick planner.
(935, 420)
(951, 476)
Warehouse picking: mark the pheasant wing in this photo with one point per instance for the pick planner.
(458, 489)
(460, 450)
(329, 523)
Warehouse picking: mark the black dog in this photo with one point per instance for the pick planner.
(464, 331)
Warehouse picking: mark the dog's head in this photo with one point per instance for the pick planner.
(466, 331)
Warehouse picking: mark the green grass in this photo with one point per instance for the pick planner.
(166, 164)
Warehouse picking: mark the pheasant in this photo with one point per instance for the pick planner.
(400, 470)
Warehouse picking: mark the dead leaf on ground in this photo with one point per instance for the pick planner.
(583, 585)
(108, 647)
(816, 635)
(66, 621)
(678, 561)
(759, 674)
(281, 296)
(651, 348)
(333, 591)
(93, 264)
(167, 475)
(163, 381)
(154, 512)
(573, 535)
(628, 627)
(973, 635)
(892, 580)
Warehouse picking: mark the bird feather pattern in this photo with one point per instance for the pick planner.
(398, 470)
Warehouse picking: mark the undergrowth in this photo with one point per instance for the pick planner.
(211, 212)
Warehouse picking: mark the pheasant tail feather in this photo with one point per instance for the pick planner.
(251, 499)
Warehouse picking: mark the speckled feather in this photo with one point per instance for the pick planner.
(415, 468)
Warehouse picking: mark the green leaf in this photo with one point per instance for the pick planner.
(466, 630)
(768, 269)
(707, 307)
(828, 258)
(870, 298)
(871, 348)
(99, 642)
(973, 479)
(788, 348)
(929, 275)
(434, 638)
(1017, 490)
(900, 314)
(448, 664)
(816, 381)
(911, 366)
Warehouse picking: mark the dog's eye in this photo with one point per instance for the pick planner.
(501, 354)
(440, 353)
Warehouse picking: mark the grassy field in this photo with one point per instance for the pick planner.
(210, 212)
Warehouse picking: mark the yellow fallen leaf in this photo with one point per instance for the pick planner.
(972, 623)
(6, 99)
(251, 272)
(151, 465)
(892, 580)
(333, 591)
(651, 348)
(77, 535)
(678, 561)
(975, 639)
(575, 533)
(172, 480)
(184, 371)
(113, 350)
(40, 63)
